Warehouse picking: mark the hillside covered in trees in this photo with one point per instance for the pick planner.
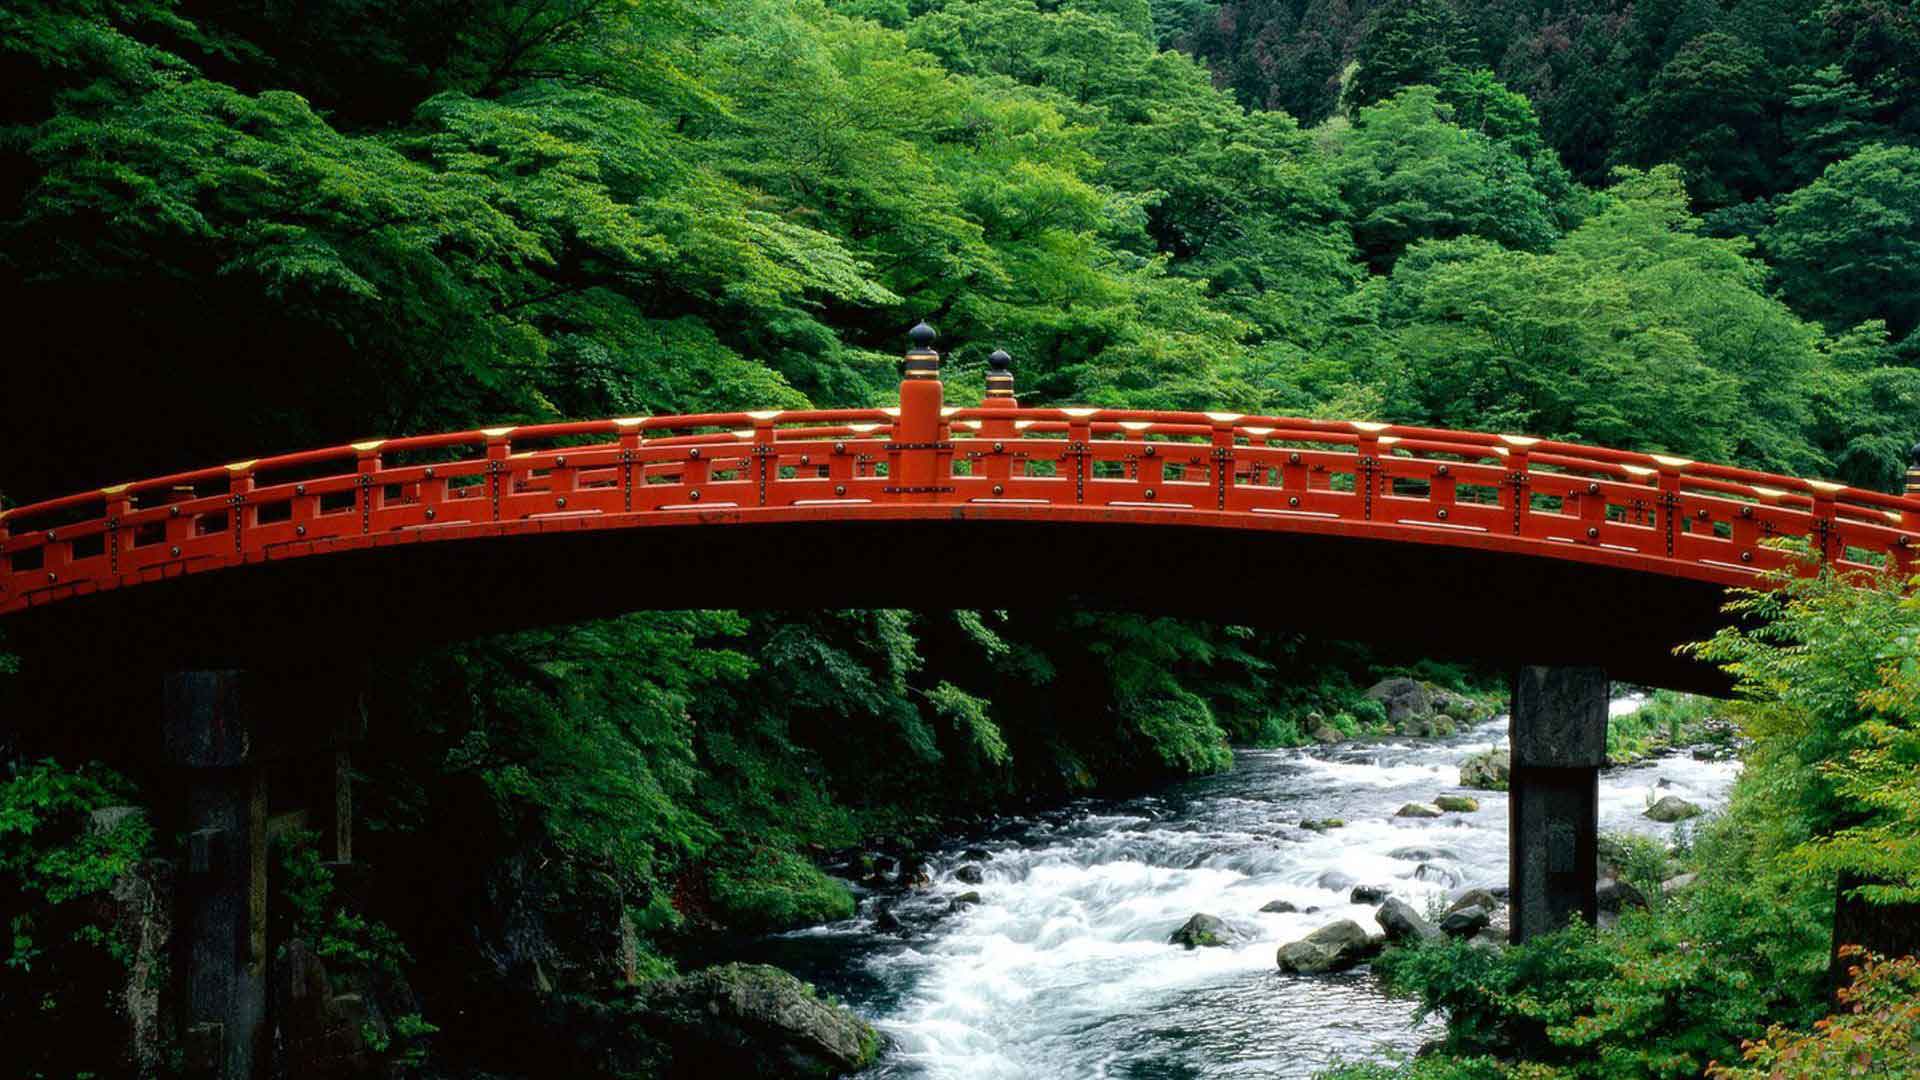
(1684, 226)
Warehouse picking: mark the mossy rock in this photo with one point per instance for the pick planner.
(1457, 804)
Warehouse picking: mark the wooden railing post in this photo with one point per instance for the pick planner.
(914, 450)
(999, 404)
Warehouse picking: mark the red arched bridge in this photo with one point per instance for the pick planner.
(1466, 543)
(1573, 563)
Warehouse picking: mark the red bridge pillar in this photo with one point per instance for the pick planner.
(1559, 733)
(920, 455)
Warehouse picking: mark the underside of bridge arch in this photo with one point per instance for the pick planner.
(1442, 600)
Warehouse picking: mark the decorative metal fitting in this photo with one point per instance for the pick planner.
(1746, 511)
(50, 536)
(1442, 470)
(1293, 500)
(1442, 513)
(1293, 458)
(1746, 556)
(1149, 451)
(1593, 532)
(52, 577)
(999, 489)
(561, 502)
(429, 472)
(806, 459)
(1703, 514)
(695, 452)
(301, 530)
(999, 448)
(1149, 493)
(839, 489)
(430, 513)
(694, 495)
(839, 448)
(174, 551)
(301, 489)
(922, 361)
(1593, 488)
(561, 460)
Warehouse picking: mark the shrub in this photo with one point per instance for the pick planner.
(1876, 1033)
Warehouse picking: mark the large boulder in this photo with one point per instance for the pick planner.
(1480, 898)
(1203, 931)
(1672, 808)
(970, 874)
(1334, 947)
(1617, 896)
(750, 1020)
(1489, 770)
(1408, 703)
(1403, 924)
(1675, 884)
(1465, 922)
(1418, 810)
(1457, 804)
(1335, 880)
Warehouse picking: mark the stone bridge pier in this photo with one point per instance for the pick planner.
(1559, 738)
(258, 754)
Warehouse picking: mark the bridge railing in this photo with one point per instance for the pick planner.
(1652, 511)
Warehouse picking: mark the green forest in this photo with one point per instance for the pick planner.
(1687, 226)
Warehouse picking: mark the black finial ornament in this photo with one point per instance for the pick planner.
(922, 361)
(999, 375)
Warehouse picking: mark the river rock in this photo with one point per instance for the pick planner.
(1404, 699)
(1203, 931)
(1279, 907)
(1403, 924)
(1321, 825)
(1326, 735)
(1418, 810)
(1457, 804)
(1465, 922)
(1489, 770)
(1422, 854)
(1480, 898)
(1672, 808)
(1436, 874)
(1367, 894)
(1335, 880)
(970, 874)
(751, 1020)
(963, 901)
(1617, 896)
(885, 921)
(1334, 947)
(1675, 884)
(976, 854)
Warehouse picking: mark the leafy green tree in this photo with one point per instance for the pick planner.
(1848, 245)
(1634, 330)
(1408, 173)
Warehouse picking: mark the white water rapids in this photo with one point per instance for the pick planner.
(1063, 969)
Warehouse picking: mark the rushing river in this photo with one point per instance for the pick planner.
(1063, 969)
